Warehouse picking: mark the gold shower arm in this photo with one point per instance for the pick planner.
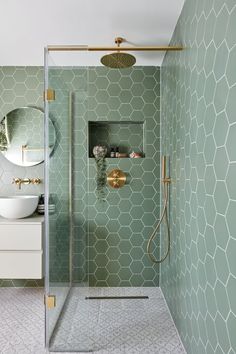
(58, 48)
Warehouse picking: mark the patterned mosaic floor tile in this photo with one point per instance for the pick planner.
(106, 326)
(121, 326)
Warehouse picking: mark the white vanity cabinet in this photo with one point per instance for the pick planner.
(21, 248)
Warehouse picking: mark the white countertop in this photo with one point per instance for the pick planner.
(34, 219)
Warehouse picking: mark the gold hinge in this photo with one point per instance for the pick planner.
(50, 301)
(49, 95)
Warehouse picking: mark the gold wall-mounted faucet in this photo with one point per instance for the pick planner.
(20, 181)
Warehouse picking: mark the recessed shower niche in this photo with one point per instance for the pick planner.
(127, 136)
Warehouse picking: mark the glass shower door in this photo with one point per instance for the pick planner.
(100, 290)
(58, 207)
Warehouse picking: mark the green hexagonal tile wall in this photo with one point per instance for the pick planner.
(198, 99)
(133, 95)
(115, 227)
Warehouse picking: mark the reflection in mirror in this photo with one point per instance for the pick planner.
(22, 136)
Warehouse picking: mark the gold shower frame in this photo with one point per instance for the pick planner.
(58, 48)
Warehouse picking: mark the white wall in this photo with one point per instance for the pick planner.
(26, 26)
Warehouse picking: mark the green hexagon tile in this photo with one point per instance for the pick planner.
(109, 247)
(198, 100)
(19, 87)
(113, 234)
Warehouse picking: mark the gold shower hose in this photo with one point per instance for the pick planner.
(164, 215)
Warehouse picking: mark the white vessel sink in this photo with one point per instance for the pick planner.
(17, 207)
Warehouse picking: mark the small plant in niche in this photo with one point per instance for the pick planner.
(99, 153)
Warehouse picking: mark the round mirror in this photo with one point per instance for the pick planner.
(22, 136)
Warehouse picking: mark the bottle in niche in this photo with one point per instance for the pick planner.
(112, 152)
(117, 151)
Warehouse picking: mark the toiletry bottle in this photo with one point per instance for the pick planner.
(112, 153)
(41, 200)
(41, 207)
(117, 151)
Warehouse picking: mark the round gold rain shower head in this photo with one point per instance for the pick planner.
(119, 59)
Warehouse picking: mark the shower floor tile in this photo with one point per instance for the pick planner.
(116, 326)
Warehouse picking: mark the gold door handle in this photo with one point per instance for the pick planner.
(116, 178)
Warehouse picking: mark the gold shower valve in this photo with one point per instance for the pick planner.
(116, 178)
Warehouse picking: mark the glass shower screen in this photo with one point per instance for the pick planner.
(97, 267)
(63, 97)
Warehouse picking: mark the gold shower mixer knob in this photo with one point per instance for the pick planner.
(116, 178)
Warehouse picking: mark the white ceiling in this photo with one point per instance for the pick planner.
(26, 26)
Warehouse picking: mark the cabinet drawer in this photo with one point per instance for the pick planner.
(21, 265)
(21, 237)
